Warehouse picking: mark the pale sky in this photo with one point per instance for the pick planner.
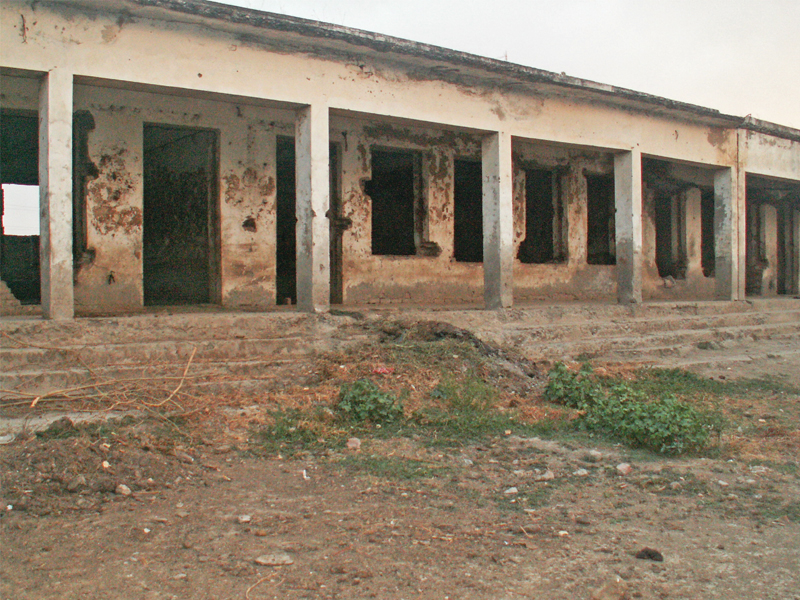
(737, 56)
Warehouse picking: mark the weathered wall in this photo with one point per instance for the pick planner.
(246, 194)
(425, 277)
(771, 156)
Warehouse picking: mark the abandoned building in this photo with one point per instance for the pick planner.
(191, 153)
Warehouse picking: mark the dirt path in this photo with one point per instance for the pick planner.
(514, 516)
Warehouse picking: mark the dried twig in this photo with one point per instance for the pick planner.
(180, 383)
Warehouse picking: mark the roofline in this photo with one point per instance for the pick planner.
(750, 123)
(385, 44)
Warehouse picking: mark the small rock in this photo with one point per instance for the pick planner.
(624, 469)
(616, 589)
(244, 519)
(675, 485)
(182, 514)
(723, 483)
(76, 483)
(180, 576)
(354, 443)
(123, 490)
(546, 476)
(563, 533)
(183, 457)
(274, 560)
(511, 490)
(105, 464)
(595, 455)
(582, 521)
(7, 439)
(650, 554)
(467, 462)
(580, 473)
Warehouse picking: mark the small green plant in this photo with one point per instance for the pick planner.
(363, 401)
(665, 425)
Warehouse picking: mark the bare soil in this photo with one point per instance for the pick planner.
(508, 516)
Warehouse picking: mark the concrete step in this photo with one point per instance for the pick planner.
(219, 376)
(644, 326)
(666, 343)
(154, 353)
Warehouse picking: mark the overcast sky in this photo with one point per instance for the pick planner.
(737, 56)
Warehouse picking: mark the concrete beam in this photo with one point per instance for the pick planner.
(498, 221)
(729, 236)
(628, 199)
(55, 194)
(312, 203)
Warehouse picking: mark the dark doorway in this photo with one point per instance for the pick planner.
(468, 211)
(539, 243)
(338, 225)
(395, 193)
(180, 216)
(286, 228)
(668, 224)
(19, 205)
(708, 241)
(601, 246)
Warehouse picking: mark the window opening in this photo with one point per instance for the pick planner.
(542, 218)
(601, 234)
(468, 211)
(395, 190)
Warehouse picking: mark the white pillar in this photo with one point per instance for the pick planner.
(312, 202)
(729, 239)
(628, 199)
(768, 242)
(692, 232)
(498, 221)
(55, 193)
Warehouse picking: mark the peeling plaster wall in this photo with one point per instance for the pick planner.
(393, 279)
(771, 156)
(112, 281)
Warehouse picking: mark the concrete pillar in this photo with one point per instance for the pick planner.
(692, 243)
(628, 199)
(55, 193)
(313, 200)
(768, 242)
(498, 221)
(729, 236)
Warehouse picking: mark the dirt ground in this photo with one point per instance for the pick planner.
(194, 507)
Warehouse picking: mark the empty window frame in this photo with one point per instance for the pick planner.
(468, 211)
(543, 219)
(19, 204)
(396, 193)
(601, 227)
